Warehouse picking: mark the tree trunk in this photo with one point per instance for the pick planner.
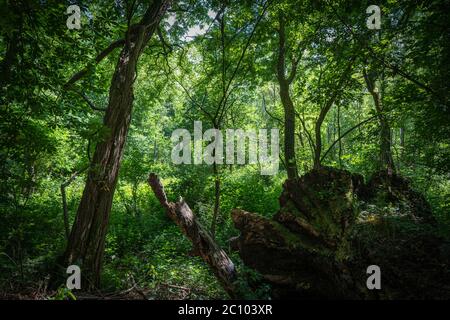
(288, 106)
(402, 137)
(402, 147)
(87, 238)
(339, 134)
(325, 109)
(385, 145)
(386, 159)
(201, 239)
(318, 245)
(216, 199)
(289, 131)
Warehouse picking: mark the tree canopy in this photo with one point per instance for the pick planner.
(87, 113)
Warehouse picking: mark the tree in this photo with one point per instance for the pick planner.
(386, 159)
(87, 237)
(288, 106)
(325, 108)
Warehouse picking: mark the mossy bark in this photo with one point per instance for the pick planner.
(319, 244)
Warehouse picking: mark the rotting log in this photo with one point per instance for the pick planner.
(331, 226)
(203, 243)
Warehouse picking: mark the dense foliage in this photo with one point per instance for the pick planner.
(215, 62)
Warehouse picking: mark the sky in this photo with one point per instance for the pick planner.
(194, 31)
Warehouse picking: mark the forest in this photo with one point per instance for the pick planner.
(224, 149)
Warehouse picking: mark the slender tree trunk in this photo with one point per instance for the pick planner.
(386, 159)
(318, 137)
(216, 125)
(87, 238)
(216, 199)
(325, 109)
(402, 137)
(402, 146)
(288, 106)
(328, 132)
(339, 134)
(289, 131)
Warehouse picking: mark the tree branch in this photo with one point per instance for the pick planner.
(387, 64)
(77, 76)
(89, 102)
(345, 133)
(241, 58)
(271, 115)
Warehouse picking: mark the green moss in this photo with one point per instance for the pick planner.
(295, 241)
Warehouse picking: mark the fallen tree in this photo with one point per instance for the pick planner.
(329, 229)
(203, 243)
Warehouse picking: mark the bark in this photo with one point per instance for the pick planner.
(322, 239)
(288, 106)
(294, 250)
(201, 239)
(87, 238)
